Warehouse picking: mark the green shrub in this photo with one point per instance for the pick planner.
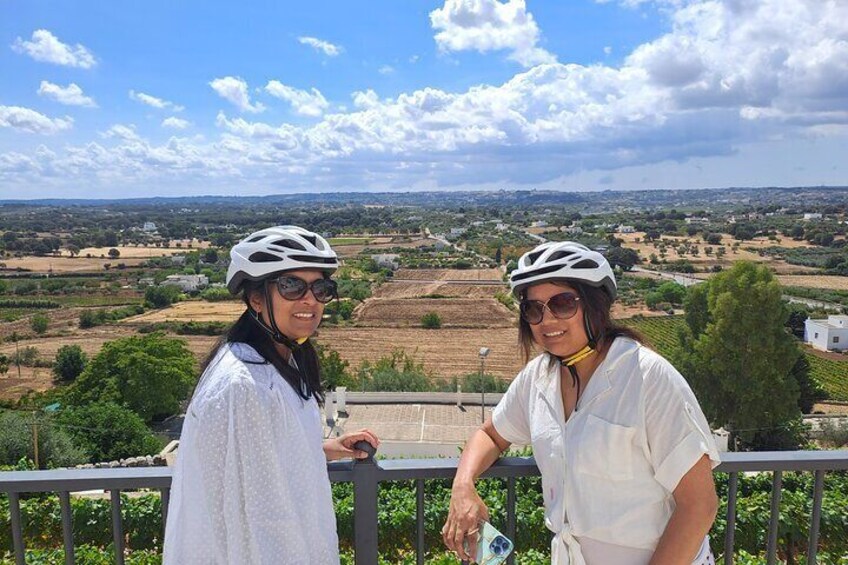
(431, 321)
(39, 323)
(70, 362)
(107, 432)
(216, 294)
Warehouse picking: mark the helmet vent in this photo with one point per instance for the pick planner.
(585, 264)
(533, 256)
(290, 244)
(311, 239)
(262, 257)
(560, 255)
(316, 260)
(256, 238)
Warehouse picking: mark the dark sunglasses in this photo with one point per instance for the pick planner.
(293, 288)
(563, 306)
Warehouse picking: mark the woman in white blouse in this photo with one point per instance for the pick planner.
(624, 450)
(251, 484)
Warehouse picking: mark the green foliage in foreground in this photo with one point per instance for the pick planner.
(142, 521)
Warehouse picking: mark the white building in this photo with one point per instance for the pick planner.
(827, 335)
(387, 260)
(812, 216)
(696, 220)
(148, 227)
(626, 229)
(539, 224)
(458, 231)
(187, 283)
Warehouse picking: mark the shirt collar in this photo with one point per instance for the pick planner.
(601, 381)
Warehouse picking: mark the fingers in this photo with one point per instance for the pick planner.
(362, 435)
(460, 536)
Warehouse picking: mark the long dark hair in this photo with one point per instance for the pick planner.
(598, 305)
(306, 381)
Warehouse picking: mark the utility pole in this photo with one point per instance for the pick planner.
(484, 351)
(35, 437)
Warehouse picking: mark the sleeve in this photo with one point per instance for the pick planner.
(248, 495)
(511, 416)
(677, 431)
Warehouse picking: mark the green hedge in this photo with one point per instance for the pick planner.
(396, 516)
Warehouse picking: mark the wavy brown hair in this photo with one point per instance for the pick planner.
(598, 305)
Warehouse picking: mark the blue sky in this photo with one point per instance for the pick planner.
(175, 98)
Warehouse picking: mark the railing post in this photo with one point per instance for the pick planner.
(774, 522)
(365, 507)
(17, 528)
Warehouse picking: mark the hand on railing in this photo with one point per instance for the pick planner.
(467, 511)
(357, 445)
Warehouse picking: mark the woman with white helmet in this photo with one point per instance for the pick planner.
(250, 483)
(624, 450)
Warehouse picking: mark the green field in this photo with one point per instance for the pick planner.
(831, 374)
(661, 333)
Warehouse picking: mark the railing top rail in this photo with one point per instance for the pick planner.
(74, 480)
(836, 460)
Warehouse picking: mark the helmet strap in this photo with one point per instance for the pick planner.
(271, 327)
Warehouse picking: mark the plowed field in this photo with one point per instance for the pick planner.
(444, 352)
(456, 312)
(449, 274)
(419, 290)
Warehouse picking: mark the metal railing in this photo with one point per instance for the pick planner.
(366, 475)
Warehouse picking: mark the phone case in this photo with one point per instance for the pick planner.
(492, 547)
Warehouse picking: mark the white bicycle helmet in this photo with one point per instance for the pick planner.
(563, 260)
(275, 250)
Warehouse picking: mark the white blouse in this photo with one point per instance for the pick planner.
(609, 472)
(250, 484)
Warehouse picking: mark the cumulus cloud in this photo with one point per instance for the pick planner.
(175, 123)
(727, 76)
(235, 91)
(122, 132)
(155, 102)
(25, 119)
(46, 47)
(71, 95)
(305, 103)
(386, 70)
(490, 25)
(325, 47)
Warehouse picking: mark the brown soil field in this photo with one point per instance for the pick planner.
(449, 274)
(824, 281)
(146, 252)
(192, 311)
(418, 290)
(380, 245)
(445, 352)
(781, 267)
(66, 264)
(461, 312)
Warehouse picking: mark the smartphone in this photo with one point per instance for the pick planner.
(492, 546)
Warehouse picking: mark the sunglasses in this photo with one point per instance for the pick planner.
(563, 306)
(293, 288)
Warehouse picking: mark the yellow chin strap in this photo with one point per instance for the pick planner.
(301, 340)
(577, 357)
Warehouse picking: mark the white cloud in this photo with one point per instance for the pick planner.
(325, 47)
(304, 103)
(235, 91)
(386, 70)
(154, 101)
(70, 95)
(607, 50)
(490, 25)
(366, 99)
(46, 47)
(175, 123)
(25, 119)
(122, 132)
(727, 77)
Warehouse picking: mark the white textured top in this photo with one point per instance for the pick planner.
(608, 474)
(250, 483)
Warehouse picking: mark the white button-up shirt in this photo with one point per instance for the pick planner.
(608, 473)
